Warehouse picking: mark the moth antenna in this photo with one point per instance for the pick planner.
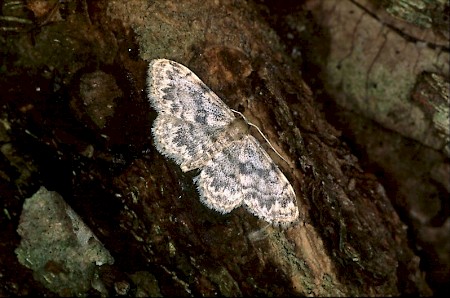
(261, 133)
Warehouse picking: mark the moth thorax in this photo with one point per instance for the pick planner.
(237, 129)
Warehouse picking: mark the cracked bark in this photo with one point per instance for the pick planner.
(147, 212)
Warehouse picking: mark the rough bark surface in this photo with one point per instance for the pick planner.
(75, 118)
(382, 76)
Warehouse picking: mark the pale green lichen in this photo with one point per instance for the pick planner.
(61, 250)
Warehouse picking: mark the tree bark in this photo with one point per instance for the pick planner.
(86, 133)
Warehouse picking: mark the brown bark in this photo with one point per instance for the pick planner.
(142, 207)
